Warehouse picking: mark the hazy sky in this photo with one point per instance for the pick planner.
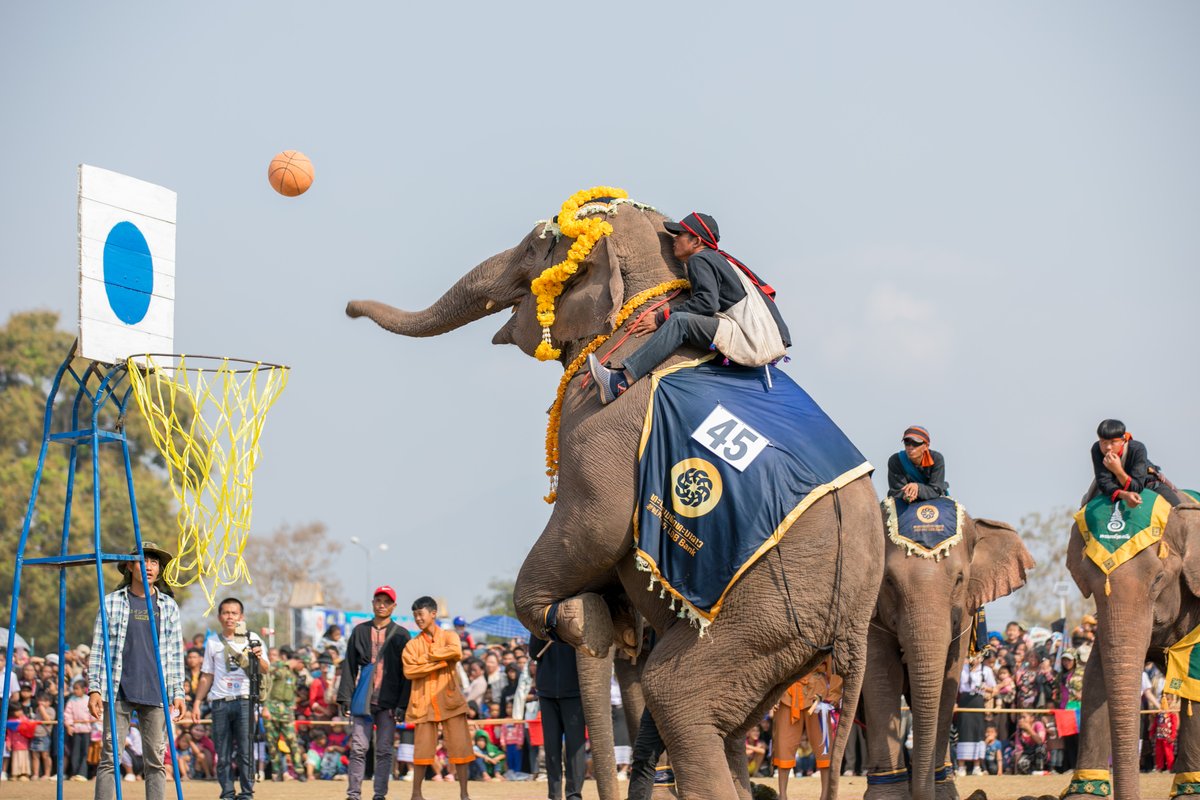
(979, 217)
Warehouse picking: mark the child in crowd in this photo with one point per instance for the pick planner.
(756, 750)
(78, 722)
(204, 753)
(183, 755)
(19, 737)
(442, 771)
(315, 754)
(512, 739)
(1164, 729)
(489, 759)
(335, 762)
(993, 752)
(39, 747)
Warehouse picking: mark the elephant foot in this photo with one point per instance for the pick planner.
(585, 624)
(948, 791)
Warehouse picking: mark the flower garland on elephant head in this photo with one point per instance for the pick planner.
(552, 425)
(586, 231)
(574, 221)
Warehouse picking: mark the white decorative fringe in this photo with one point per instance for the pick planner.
(551, 228)
(686, 610)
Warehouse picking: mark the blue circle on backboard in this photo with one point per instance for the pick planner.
(128, 272)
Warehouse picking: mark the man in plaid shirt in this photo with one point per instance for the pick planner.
(135, 669)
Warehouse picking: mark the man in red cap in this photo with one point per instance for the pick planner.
(373, 686)
(916, 472)
(729, 310)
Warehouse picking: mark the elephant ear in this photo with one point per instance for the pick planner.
(998, 562)
(1075, 561)
(592, 297)
(1187, 516)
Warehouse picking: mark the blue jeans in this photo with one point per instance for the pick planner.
(679, 329)
(231, 729)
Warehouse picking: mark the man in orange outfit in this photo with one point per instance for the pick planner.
(430, 661)
(800, 710)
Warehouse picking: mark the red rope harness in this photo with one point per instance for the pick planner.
(653, 308)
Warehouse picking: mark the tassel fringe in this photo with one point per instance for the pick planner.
(1107, 586)
(1163, 550)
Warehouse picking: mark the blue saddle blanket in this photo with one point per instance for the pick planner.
(729, 460)
(927, 528)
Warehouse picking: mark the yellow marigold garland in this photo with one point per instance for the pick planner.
(555, 420)
(586, 232)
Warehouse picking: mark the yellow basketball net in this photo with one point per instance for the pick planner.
(206, 419)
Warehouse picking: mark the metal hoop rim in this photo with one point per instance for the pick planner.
(254, 364)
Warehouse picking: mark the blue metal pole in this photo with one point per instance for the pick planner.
(108, 674)
(37, 480)
(152, 609)
(72, 460)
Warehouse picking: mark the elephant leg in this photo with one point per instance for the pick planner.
(573, 558)
(595, 680)
(735, 757)
(1187, 750)
(1095, 743)
(947, 789)
(630, 680)
(881, 698)
(850, 663)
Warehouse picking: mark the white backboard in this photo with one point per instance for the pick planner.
(126, 266)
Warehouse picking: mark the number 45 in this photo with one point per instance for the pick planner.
(738, 436)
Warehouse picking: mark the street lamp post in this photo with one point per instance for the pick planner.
(354, 540)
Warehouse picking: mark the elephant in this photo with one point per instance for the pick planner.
(1150, 602)
(783, 614)
(917, 642)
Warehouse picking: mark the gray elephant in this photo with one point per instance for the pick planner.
(1144, 605)
(814, 592)
(919, 638)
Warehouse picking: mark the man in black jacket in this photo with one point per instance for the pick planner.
(562, 717)
(916, 472)
(716, 287)
(373, 659)
(1122, 467)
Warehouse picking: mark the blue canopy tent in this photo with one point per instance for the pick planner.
(500, 626)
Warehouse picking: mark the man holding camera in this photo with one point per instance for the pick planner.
(231, 660)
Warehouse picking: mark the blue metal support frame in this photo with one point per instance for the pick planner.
(107, 394)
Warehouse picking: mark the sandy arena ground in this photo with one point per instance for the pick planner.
(997, 788)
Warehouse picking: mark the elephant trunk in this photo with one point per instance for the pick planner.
(595, 682)
(1125, 642)
(926, 656)
(476, 295)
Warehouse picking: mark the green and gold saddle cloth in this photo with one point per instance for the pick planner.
(1113, 533)
(1183, 667)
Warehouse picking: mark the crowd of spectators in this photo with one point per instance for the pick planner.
(499, 681)
(1020, 699)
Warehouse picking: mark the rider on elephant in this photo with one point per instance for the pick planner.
(916, 472)
(1122, 468)
(727, 311)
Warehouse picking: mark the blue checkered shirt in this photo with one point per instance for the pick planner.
(170, 642)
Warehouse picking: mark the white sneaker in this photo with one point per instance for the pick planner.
(962, 771)
(130, 778)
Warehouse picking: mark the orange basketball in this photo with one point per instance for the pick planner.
(290, 173)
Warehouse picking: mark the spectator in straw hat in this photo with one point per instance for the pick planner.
(135, 670)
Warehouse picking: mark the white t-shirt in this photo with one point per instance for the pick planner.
(226, 682)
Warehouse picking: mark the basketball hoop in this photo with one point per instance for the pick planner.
(206, 416)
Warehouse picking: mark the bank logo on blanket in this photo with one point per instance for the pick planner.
(696, 487)
(928, 514)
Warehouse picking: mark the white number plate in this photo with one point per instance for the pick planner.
(732, 440)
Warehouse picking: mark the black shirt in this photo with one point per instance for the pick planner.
(557, 672)
(1137, 465)
(395, 689)
(933, 479)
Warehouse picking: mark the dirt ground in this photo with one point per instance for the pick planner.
(996, 788)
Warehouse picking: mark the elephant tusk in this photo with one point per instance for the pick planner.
(489, 305)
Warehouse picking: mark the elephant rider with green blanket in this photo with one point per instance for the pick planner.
(916, 472)
(1122, 468)
(729, 310)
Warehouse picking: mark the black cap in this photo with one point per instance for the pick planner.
(697, 224)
